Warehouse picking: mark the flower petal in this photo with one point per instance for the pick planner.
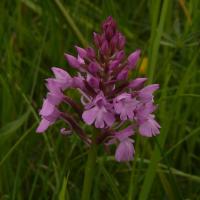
(109, 118)
(89, 115)
(60, 73)
(81, 52)
(122, 75)
(47, 108)
(146, 94)
(149, 128)
(137, 83)
(73, 61)
(125, 133)
(44, 124)
(133, 58)
(124, 151)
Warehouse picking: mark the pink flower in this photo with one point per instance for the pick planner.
(125, 106)
(149, 127)
(99, 113)
(146, 94)
(125, 149)
(49, 115)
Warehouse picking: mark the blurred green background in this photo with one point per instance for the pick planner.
(34, 34)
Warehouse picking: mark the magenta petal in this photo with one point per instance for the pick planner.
(149, 128)
(93, 81)
(77, 82)
(54, 99)
(80, 60)
(137, 83)
(97, 39)
(125, 133)
(125, 105)
(146, 93)
(122, 75)
(124, 151)
(118, 107)
(114, 64)
(104, 48)
(120, 55)
(47, 108)
(99, 122)
(150, 88)
(90, 52)
(44, 124)
(122, 96)
(81, 52)
(73, 61)
(122, 41)
(109, 118)
(54, 85)
(133, 58)
(89, 115)
(143, 110)
(93, 67)
(60, 73)
(53, 117)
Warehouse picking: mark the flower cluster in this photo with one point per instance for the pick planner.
(111, 103)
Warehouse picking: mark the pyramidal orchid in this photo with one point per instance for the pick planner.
(116, 107)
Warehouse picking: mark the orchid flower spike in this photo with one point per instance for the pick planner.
(115, 106)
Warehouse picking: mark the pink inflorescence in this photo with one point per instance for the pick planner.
(111, 103)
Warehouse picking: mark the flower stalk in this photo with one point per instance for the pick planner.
(89, 172)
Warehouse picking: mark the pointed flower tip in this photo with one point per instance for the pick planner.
(137, 83)
(73, 61)
(110, 19)
(42, 127)
(133, 58)
(152, 88)
(39, 130)
(60, 73)
(81, 51)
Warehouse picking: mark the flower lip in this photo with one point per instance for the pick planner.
(125, 151)
(149, 127)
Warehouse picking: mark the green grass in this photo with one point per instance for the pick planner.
(34, 36)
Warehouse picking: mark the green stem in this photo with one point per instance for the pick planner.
(89, 172)
(156, 38)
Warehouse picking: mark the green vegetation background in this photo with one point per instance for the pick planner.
(34, 34)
